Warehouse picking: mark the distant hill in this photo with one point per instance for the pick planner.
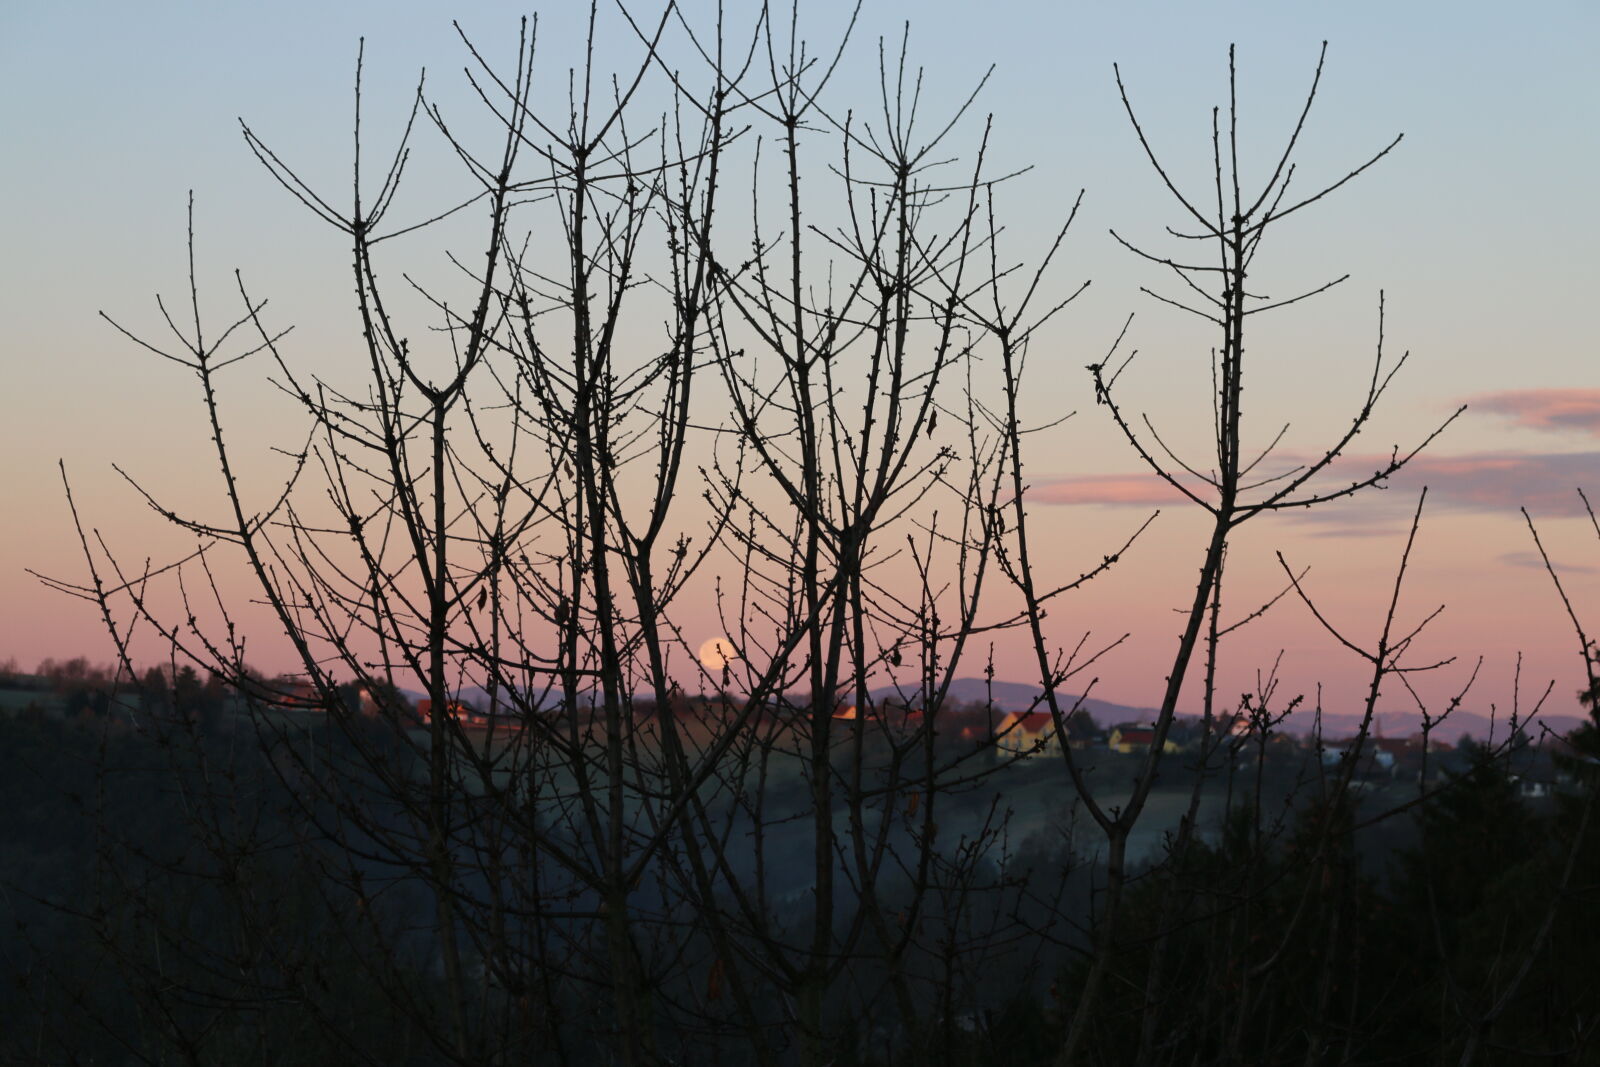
(1016, 696)
(1460, 723)
(1019, 696)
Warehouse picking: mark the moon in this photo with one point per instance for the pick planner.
(717, 653)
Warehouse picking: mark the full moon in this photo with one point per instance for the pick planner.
(717, 653)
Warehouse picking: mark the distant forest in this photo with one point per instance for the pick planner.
(167, 897)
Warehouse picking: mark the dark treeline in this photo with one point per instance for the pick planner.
(165, 901)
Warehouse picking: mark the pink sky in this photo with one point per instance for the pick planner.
(1476, 229)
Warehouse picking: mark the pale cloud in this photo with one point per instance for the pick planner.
(1339, 527)
(1545, 483)
(1534, 561)
(1545, 409)
(1144, 490)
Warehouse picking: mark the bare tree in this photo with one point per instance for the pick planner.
(471, 535)
(865, 539)
(478, 534)
(503, 811)
(1226, 485)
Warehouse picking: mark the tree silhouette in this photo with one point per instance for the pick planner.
(501, 811)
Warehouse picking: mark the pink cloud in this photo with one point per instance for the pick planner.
(1145, 490)
(1344, 525)
(1534, 561)
(1545, 409)
(1545, 483)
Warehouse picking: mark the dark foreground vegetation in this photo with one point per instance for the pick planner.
(168, 898)
(721, 349)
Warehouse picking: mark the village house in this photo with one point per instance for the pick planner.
(1026, 733)
(288, 693)
(469, 717)
(1136, 737)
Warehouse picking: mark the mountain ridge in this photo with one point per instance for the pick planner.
(1019, 696)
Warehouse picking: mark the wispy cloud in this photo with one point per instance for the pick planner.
(1339, 527)
(1545, 483)
(1533, 561)
(1545, 409)
(1144, 490)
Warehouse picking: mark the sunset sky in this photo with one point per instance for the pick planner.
(1480, 228)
